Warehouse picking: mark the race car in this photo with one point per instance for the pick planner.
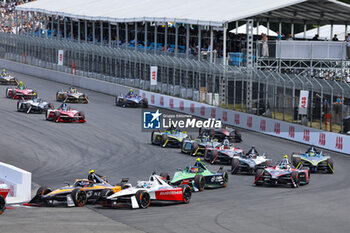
(171, 137)
(65, 114)
(198, 146)
(7, 79)
(131, 100)
(283, 173)
(20, 93)
(313, 159)
(83, 191)
(72, 96)
(156, 189)
(34, 105)
(249, 162)
(3, 194)
(233, 135)
(198, 177)
(223, 153)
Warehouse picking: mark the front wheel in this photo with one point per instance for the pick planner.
(186, 193)
(259, 179)
(2, 205)
(295, 179)
(79, 197)
(330, 166)
(199, 182)
(225, 179)
(143, 199)
(234, 167)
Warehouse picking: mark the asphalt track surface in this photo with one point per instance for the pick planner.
(112, 143)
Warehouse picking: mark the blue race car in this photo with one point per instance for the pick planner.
(131, 100)
(313, 159)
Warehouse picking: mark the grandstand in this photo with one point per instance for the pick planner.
(121, 40)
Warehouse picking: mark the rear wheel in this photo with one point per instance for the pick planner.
(152, 137)
(7, 93)
(42, 191)
(143, 199)
(79, 197)
(296, 180)
(58, 97)
(234, 167)
(330, 166)
(81, 116)
(214, 154)
(186, 193)
(194, 148)
(2, 205)
(225, 179)
(56, 116)
(199, 182)
(294, 160)
(18, 106)
(259, 179)
(207, 155)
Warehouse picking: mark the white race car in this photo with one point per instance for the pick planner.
(155, 189)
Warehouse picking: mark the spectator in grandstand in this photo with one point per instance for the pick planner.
(335, 38)
(265, 47)
(289, 37)
(316, 37)
(347, 39)
(279, 37)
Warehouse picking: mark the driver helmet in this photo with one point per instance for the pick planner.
(20, 83)
(64, 105)
(92, 171)
(312, 152)
(145, 185)
(226, 144)
(194, 170)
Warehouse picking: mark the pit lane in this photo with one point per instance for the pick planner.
(111, 142)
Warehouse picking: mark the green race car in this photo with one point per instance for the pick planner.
(199, 177)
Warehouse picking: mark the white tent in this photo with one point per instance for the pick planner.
(256, 30)
(199, 12)
(325, 32)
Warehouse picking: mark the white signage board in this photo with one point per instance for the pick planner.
(154, 74)
(60, 57)
(303, 102)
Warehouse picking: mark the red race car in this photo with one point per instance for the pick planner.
(20, 93)
(65, 114)
(3, 194)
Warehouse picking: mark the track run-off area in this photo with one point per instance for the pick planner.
(113, 144)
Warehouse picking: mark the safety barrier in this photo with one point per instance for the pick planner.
(298, 133)
(18, 181)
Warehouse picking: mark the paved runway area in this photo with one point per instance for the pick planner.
(111, 142)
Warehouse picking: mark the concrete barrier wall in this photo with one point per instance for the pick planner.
(18, 181)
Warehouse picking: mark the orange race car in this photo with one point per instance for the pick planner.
(81, 192)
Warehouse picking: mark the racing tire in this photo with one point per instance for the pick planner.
(165, 175)
(259, 180)
(199, 182)
(237, 136)
(234, 167)
(194, 148)
(143, 198)
(330, 166)
(7, 93)
(81, 116)
(47, 115)
(163, 140)
(152, 138)
(294, 160)
(225, 179)
(214, 154)
(58, 97)
(18, 106)
(56, 116)
(308, 171)
(43, 191)
(145, 103)
(296, 180)
(85, 99)
(2, 205)
(182, 146)
(13, 93)
(79, 197)
(50, 106)
(27, 107)
(186, 193)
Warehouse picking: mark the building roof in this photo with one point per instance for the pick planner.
(199, 12)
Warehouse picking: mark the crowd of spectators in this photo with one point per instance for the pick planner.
(8, 22)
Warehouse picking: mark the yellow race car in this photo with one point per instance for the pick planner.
(83, 191)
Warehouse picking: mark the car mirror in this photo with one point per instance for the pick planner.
(67, 183)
